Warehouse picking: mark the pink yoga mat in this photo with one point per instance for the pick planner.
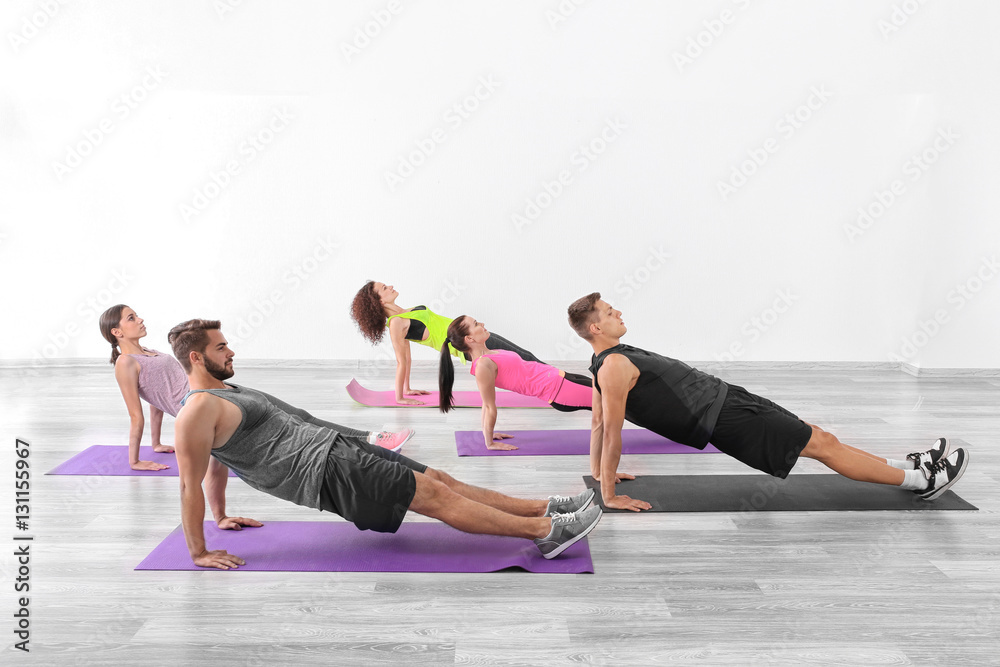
(463, 399)
(336, 546)
(576, 442)
(112, 460)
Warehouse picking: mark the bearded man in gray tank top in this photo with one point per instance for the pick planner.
(270, 447)
(688, 406)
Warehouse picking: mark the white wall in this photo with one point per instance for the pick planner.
(444, 236)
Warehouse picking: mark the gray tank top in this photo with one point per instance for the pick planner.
(272, 450)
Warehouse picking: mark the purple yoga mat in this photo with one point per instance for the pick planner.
(335, 546)
(577, 442)
(463, 399)
(112, 460)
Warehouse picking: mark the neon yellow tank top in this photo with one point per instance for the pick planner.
(437, 327)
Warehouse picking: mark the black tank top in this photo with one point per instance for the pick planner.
(417, 328)
(669, 397)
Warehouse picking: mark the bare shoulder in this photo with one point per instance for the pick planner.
(486, 365)
(616, 368)
(198, 406)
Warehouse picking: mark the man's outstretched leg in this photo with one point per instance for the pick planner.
(517, 506)
(552, 535)
(929, 481)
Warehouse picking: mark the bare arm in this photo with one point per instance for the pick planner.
(616, 377)
(155, 426)
(486, 377)
(596, 433)
(127, 375)
(401, 347)
(195, 431)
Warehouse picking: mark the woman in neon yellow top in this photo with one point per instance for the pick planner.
(374, 310)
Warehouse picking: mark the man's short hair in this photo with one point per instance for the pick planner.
(582, 314)
(188, 337)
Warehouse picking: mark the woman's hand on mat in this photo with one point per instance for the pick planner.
(501, 436)
(220, 559)
(416, 392)
(626, 503)
(501, 445)
(163, 449)
(147, 465)
(408, 401)
(619, 476)
(237, 523)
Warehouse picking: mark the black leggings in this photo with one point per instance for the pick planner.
(498, 342)
(575, 378)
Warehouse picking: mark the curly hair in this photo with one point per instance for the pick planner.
(368, 313)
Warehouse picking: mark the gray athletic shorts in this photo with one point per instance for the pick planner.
(368, 485)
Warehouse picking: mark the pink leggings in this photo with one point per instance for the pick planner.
(575, 393)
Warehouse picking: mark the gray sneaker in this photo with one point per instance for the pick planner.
(569, 504)
(567, 530)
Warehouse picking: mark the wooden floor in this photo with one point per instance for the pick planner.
(792, 588)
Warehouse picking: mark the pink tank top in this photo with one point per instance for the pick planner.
(524, 377)
(162, 381)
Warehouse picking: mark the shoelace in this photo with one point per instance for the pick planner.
(563, 518)
(940, 466)
(558, 500)
(383, 435)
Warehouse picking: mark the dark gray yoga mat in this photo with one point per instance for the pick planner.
(763, 493)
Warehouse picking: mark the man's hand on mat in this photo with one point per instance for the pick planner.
(237, 523)
(408, 401)
(626, 503)
(416, 392)
(147, 465)
(220, 559)
(163, 449)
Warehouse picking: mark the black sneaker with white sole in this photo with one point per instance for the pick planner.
(567, 530)
(943, 474)
(939, 450)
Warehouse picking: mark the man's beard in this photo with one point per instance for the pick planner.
(218, 372)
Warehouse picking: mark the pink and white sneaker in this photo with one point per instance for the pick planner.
(393, 441)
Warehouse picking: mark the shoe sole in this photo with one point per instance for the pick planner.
(581, 507)
(951, 482)
(566, 545)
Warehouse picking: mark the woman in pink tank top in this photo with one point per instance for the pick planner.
(144, 374)
(566, 392)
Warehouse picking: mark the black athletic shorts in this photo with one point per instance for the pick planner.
(759, 433)
(368, 485)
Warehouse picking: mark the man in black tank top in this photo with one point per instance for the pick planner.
(688, 406)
